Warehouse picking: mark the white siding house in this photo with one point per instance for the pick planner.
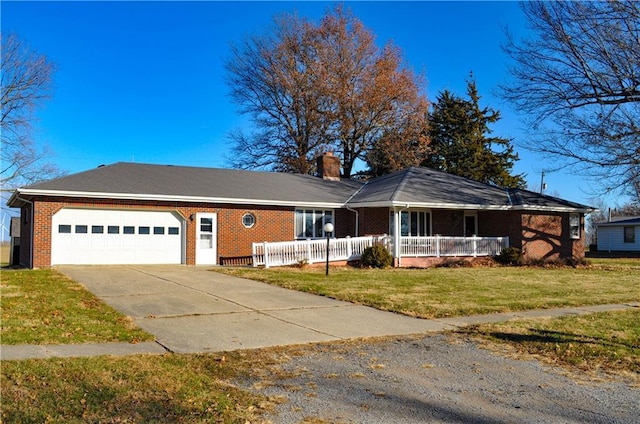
(619, 235)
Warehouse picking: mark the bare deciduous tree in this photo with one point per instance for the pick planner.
(578, 80)
(373, 98)
(26, 83)
(309, 88)
(274, 79)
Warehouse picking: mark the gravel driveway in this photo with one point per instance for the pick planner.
(433, 379)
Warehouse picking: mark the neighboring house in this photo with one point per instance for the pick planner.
(129, 213)
(620, 234)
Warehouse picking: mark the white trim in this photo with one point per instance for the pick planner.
(458, 206)
(172, 198)
(207, 255)
(474, 215)
(270, 202)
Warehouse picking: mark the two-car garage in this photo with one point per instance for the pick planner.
(107, 237)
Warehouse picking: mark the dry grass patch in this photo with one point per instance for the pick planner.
(596, 345)
(160, 389)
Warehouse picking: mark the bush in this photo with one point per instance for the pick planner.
(376, 257)
(510, 256)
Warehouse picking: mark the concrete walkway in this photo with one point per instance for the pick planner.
(193, 310)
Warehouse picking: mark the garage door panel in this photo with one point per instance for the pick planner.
(121, 241)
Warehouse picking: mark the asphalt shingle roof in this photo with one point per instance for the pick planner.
(430, 188)
(621, 221)
(211, 183)
(417, 187)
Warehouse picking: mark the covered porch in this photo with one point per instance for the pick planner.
(406, 250)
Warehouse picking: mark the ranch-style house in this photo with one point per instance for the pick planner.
(132, 213)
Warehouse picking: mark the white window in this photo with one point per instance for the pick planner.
(310, 222)
(412, 223)
(574, 225)
(248, 220)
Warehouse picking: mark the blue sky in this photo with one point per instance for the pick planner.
(144, 81)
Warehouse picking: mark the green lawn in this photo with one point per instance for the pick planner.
(45, 307)
(445, 292)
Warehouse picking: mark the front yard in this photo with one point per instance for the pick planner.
(446, 292)
(45, 307)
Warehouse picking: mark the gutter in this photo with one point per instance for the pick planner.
(178, 198)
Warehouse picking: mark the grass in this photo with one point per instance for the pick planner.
(136, 389)
(445, 292)
(595, 343)
(45, 307)
(5, 251)
(199, 388)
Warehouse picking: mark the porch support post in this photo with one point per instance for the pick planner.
(265, 249)
(396, 234)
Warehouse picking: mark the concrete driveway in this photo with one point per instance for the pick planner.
(192, 309)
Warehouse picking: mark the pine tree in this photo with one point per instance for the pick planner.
(460, 141)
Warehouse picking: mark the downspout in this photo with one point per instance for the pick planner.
(32, 226)
(357, 219)
(346, 205)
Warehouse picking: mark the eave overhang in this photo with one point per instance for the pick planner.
(435, 205)
(16, 201)
(15, 198)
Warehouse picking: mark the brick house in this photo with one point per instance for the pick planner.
(129, 213)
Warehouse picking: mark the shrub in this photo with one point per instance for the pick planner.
(510, 256)
(376, 257)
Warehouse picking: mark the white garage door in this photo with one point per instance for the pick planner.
(105, 237)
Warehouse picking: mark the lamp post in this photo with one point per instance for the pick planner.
(328, 229)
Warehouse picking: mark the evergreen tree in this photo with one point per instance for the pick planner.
(460, 141)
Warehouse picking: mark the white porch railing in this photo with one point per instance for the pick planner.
(437, 246)
(350, 248)
(309, 251)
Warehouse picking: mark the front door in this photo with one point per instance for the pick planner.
(470, 226)
(206, 239)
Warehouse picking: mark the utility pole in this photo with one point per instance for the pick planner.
(543, 185)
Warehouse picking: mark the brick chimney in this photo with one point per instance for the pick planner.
(329, 167)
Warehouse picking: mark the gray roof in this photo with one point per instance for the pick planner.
(414, 187)
(621, 221)
(167, 182)
(427, 187)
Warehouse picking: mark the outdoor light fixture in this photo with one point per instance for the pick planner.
(328, 229)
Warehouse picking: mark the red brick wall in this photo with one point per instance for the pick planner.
(500, 224)
(539, 235)
(373, 221)
(345, 223)
(25, 236)
(547, 236)
(233, 239)
(447, 222)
